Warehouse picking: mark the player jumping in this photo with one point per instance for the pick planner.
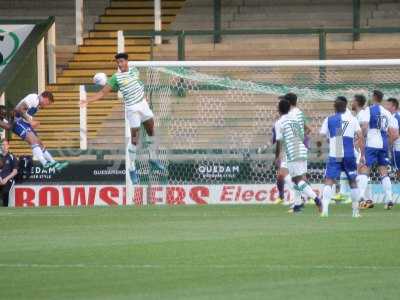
(381, 129)
(289, 135)
(24, 126)
(342, 130)
(137, 110)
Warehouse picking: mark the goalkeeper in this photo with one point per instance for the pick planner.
(137, 110)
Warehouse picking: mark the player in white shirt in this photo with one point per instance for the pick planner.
(392, 105)
(358, 107)
(342, 130)
(289, 136)
(381, 129)
(25, 124)
(344, 187)
(284, 177)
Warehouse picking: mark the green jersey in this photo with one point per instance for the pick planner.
(129, 84)
(291, 133)
(300, 117)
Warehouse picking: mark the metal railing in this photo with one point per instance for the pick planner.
(320, 32)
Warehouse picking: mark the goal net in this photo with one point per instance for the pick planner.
(214, 121)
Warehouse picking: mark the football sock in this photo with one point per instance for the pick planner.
(152, 147)
(288, 182)
(297, 198)
(355, 198)
(387, 187)
(368, 193)
(132, 156)
(344, 185)
(362, 183)
(306, 189)
(48, 156)
(326, 198)
(38, 153)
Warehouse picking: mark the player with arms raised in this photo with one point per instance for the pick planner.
(25, 124)
(137, 110)
(342, 130)
(289, 135)
(381, 129)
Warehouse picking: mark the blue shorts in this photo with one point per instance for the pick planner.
(335, 166)
(21, 128)
(396, 160)
(374, 156)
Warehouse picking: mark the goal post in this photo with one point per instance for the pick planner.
(214, 121)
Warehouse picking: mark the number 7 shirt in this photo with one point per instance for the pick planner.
(341, 129)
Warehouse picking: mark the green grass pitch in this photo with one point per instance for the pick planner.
(208, 252)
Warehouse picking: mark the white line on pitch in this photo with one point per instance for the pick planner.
(173, 266)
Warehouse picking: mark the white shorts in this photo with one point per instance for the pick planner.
(297, 168)
(138, 113)
(283, 164)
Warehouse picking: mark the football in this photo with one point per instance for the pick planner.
(100, 79)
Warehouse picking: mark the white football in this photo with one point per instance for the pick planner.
(100, 79)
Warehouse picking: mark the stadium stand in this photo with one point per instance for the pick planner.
(105, 118)
(96, 53)
(64, 12)
(253, 14)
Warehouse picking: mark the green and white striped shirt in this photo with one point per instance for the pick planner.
(291, 133)
(129, 84)
(300, 117)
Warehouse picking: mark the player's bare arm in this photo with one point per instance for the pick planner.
(99, 95)
(307, 129)
(393, 134)
(278, 150)
(5, 125)
(364, 128)
(360, 144)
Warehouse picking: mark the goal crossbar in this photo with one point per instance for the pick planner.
(269, 63)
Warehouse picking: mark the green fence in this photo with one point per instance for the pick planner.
(217, 34)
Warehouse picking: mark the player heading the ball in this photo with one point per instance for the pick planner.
(25, 127)
(137, 110)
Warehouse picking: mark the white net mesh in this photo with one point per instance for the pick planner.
(214, 124)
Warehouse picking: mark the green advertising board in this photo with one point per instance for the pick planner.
(12, 37)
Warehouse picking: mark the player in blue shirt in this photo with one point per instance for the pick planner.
(392, 105)
(343, 131)
(24, 126)
(381, 130)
